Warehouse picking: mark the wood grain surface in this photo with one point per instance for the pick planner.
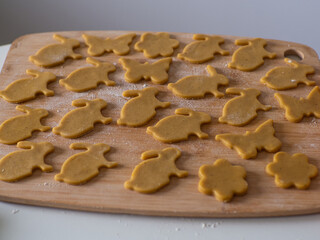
(106, 193)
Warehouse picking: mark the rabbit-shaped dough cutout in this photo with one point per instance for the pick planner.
(26, 89)
(154, 45)
(21, 127)
(247, 144)
(157, 72)
(282, 78)
(87, 78)
(251, 56)
(203, 49)
(55, 54)
(179, 127)
(197, 86)
(20, 164)
(81, 167)
(141, 109)
(81, 120)
(98, 46)
(155, 171)
(297, 108)
(239, 111)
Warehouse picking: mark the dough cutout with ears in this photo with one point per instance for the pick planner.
(282, 78)
(240, 110)
(157, 72)
(155, 171)
(81, 120)
(247, 144)
(141, 108)
(203, 49)
(87, 78)
(81, 167)
(55, 54)
(118, 45)
(197, 86)
(179, 127)
(250, 57)
(21, 127)
(20, 164)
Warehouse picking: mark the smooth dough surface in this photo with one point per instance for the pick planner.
(203, 49)
(20, 164)
(222, 180)
(141, 108)
(158, 44)
(247, 144)
(87, 78)
(81, 167)
(25, 89)
(197, 86)
(155, 171)
(292, 170)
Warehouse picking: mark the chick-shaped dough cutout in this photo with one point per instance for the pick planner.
(26, 89)
(282, 78)
(21, 127)
(247, 144)
(55, 54)
(197, 86)
(155, 171)
(81, 167)
(141, 109)
(292, 170)
(20, 164)
(250, 57)
(157, 72)
(222, 180)
(118, 45)
(154, 45)
(179, 127)
(81, 120)
(297, 108)
(241, 110)
(87, 78)
(203, 49)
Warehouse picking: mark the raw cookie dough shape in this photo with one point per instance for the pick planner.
(26, 89)
(118, 45)
(154, 45)
(80, 121)
(141, 109)
(297, 108)
(155, 171)
(203, 49)
(247, 144)
(87, 78)
(81, 167)
(222, 180)
(55, 54)
(239, 111)
(179, 127)
(282, 78)
(197, 86)
(250, 57)
(20, 164)
(157, 72)
(291, 170)
(21, 127)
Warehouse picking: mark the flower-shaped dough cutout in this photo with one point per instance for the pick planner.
(292, 170)
(282, 78)
(154, 45)
(223, 180)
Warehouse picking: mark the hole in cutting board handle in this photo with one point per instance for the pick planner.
(294, 54)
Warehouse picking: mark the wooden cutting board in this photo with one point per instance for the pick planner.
(106, 193)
